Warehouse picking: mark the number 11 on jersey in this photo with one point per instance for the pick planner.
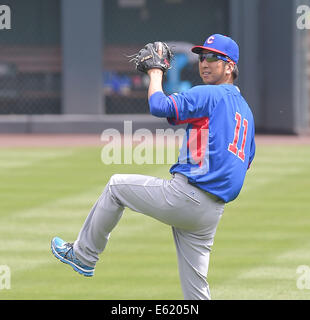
(233, 146)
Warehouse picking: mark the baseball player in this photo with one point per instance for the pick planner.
(217, 150)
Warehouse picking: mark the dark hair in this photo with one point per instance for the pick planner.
(235, 72)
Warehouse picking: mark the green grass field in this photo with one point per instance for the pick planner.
(261, 240)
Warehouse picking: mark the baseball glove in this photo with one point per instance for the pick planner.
(154, 55)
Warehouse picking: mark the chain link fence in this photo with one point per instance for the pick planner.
(308, 69)
(31, 55)
(30, 59)
(30, 52)
(130, 24)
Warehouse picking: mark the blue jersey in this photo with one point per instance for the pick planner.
(219, 144)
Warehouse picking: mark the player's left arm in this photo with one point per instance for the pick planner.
(154, 59)
(196, 102)
(156, 79)
(159, 103)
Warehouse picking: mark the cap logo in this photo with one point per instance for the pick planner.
(210, 40)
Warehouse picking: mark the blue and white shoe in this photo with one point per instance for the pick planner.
(63, 251)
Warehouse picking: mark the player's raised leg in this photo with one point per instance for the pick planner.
(157, 198)
(193, 213)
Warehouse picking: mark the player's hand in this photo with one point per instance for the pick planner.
(155, 55)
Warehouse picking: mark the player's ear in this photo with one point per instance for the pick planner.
(229, 67)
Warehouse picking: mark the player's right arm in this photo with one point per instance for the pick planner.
(253, 147)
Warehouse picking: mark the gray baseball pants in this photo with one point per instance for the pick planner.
(192, 213)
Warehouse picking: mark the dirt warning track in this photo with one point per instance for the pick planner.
(81, 140)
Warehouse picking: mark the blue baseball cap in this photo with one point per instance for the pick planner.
(220, 44)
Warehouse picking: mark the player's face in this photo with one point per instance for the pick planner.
(214, 72)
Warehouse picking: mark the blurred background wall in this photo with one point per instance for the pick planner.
(64, 65)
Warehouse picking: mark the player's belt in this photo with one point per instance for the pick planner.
(183, 178)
